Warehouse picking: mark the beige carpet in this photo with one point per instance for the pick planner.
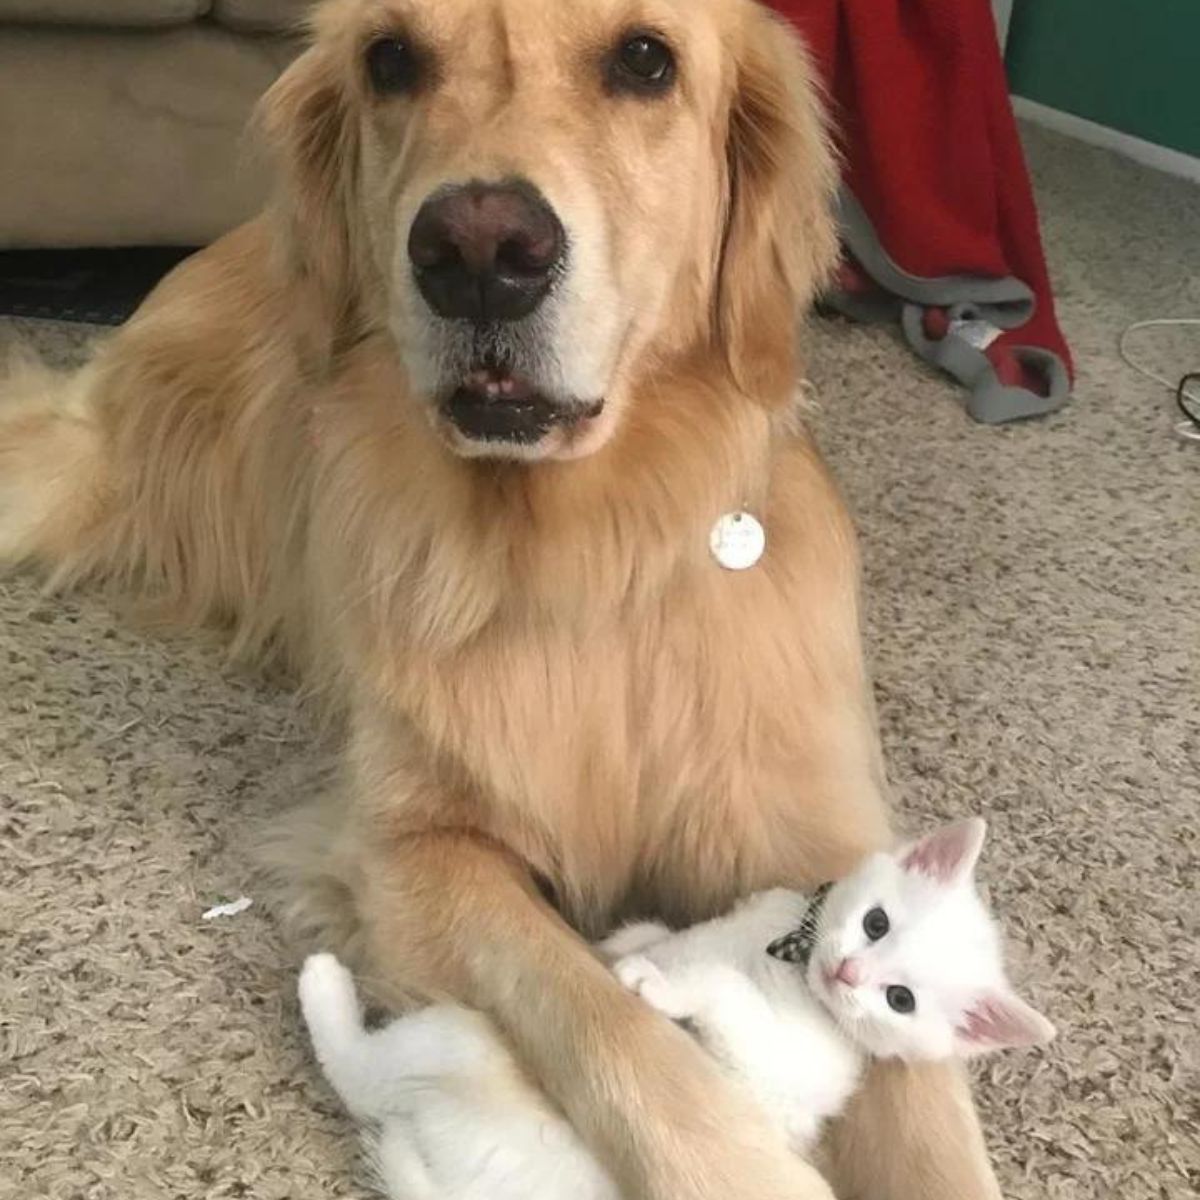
(1034, 605)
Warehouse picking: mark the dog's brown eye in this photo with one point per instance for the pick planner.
(393, 66)
(643, 63)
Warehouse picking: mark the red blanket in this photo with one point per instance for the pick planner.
(938, 217)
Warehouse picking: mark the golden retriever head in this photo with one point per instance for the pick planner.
(545, 202)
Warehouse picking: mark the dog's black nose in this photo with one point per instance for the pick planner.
(485, 252)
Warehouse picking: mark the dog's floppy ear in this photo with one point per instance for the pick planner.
(307, 122)
(780, 241)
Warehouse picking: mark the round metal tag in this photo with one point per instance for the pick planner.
(737, 541)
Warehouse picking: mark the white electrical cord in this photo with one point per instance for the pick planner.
(1185, 429)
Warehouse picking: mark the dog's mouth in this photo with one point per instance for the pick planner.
(496, 403)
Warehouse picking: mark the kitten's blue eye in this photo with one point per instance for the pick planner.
(876, 924)
(900, 999)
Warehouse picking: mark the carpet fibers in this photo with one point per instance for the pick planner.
(1034, 621)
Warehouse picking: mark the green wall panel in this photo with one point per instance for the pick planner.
(1133, 65)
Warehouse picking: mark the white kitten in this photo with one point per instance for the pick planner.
(790, 993)
(449, 1114)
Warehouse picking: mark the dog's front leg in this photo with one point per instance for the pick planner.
(911, 1133)
(454, 914)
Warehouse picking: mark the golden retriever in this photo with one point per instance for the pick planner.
(448, 428)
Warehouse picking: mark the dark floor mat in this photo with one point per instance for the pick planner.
(99, 287)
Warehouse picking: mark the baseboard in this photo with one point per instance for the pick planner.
(1161, 158)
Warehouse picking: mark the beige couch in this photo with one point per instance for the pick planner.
(121, 121)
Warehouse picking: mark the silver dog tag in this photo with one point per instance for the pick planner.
(737, 541)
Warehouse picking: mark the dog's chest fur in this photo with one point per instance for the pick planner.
(560, 662)
(617, 756)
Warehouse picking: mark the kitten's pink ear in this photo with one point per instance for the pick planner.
(948, 854)
(997, 1020)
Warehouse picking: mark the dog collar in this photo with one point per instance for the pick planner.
(797, 946)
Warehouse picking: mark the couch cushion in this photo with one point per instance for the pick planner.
(115, 14)
(129, 137)
(262, 16)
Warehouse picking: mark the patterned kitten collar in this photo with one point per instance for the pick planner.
(797, 946)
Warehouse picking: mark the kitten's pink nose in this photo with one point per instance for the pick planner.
(849, 972)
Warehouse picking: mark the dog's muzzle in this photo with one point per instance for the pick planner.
(497, 405)
(485, 256)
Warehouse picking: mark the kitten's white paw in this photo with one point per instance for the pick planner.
(327, 989)
(644, 979)
(632, 939)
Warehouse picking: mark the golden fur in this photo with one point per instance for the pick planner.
(549, 686)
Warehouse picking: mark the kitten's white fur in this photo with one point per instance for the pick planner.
(450, 1116)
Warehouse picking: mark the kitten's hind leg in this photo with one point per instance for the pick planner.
(399, 1170)
(385, 1072)
(329, 1003)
